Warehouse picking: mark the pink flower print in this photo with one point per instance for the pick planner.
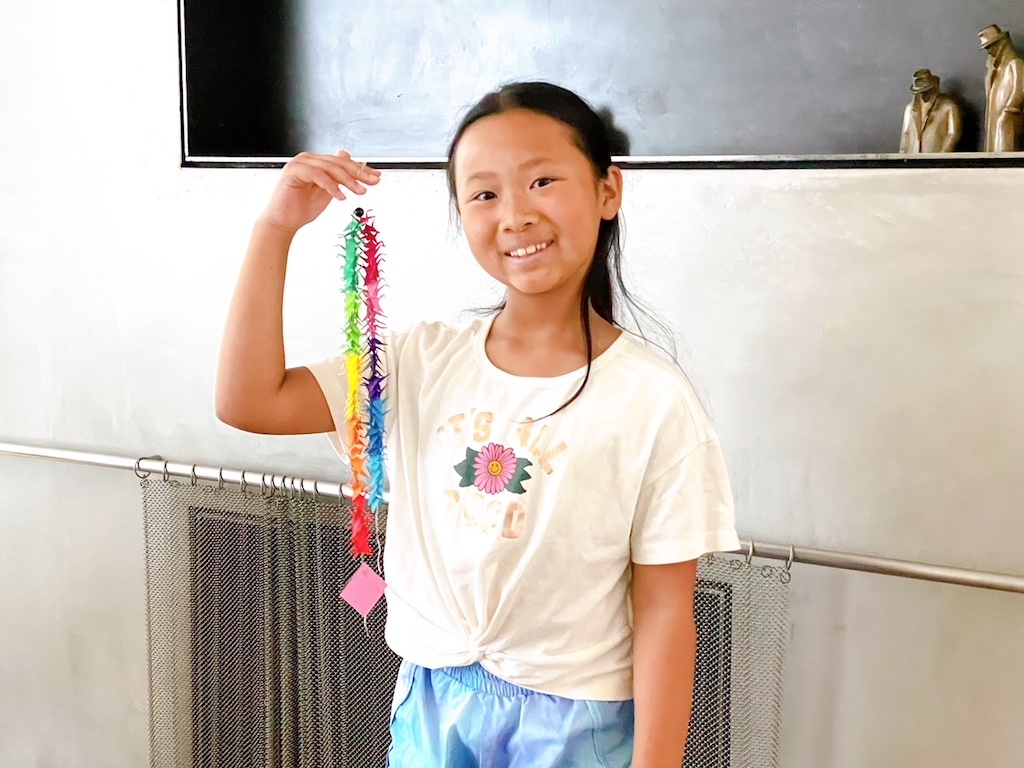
(494, 465)
(493, 469)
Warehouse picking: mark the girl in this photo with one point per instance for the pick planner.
(553, 481)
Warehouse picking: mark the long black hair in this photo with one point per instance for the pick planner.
(598, 139)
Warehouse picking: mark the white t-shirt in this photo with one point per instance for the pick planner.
(509, 541)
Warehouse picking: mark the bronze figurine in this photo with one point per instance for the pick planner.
(932, 122)
(1004, 91)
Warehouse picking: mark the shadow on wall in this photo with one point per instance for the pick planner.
(970, 136)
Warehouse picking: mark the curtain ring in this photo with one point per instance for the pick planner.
(750, 552)
(241, 481)
(193, 481)
(263, 484)
(138, 473)
(167, 474)
(220, 478)
(785, 577)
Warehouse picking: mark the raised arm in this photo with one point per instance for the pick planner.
(255, 392)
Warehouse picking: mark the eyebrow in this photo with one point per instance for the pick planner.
(486, 175)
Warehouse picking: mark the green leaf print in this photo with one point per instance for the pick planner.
(515, 485)
(466, 470)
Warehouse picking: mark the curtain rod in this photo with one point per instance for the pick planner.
(786, 552)
(156, 465)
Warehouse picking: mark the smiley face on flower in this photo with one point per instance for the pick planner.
(493, 469)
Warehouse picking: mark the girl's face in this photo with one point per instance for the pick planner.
(530, 202)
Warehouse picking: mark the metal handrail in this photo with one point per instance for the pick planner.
(790, 553)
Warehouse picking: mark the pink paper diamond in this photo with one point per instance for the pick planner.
(364, 590)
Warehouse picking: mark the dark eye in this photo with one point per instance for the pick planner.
(483, 196)
(543, 181)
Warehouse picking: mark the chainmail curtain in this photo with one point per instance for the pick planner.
(742, 613)
(256, 662)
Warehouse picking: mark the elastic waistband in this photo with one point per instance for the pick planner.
(479, 679)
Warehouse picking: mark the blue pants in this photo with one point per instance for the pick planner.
(465, 717)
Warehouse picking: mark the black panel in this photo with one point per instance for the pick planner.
(237, 74)
(388, 78)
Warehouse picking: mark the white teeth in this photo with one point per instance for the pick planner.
(527, 251)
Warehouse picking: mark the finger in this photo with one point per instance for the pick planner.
(352, 182)
(341, 168)
(361, 170)
(367, 172)
(354, 175)
(328, 183)
(315, 168)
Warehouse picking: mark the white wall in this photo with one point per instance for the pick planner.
(857, 334)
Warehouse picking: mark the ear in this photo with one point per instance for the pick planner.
(609, 190)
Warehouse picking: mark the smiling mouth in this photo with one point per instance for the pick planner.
(522, 253)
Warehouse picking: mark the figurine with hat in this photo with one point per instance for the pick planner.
(1004, 91)
(932, 122)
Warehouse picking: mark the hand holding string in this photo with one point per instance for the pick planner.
(309, 182)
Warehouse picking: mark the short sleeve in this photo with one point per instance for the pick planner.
(685, 509)
(331, 374)
(328, 374)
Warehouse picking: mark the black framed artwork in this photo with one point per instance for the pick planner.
(723, 83)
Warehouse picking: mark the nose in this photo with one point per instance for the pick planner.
(517, 212)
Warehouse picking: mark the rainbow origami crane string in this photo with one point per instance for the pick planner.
(364, 375)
